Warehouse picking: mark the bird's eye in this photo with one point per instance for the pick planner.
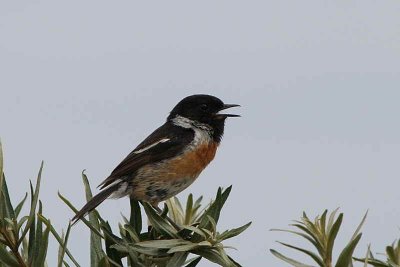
(204, 107)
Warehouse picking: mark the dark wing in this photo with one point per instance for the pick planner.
(165, 142)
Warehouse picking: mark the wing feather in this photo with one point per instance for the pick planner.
(165, 142)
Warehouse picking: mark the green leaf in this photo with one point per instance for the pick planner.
(367, 256)
(143, 250)
(96, 250)
(41, 257)
(32, 231)
(332, 236)
(7, 258)
(196, 207)
(35, 199)
(103, 262)
(215, 208)
(360, 225)
(177, 260)
(214, 256)
(195, 230)
(112, 253)
(373, 262)
(225, 257)
(194, 262)
(136, 216)
(133, 237)
(37, 246)
(233, 232)
(114, 263)
(213, 224)
(58, 238)
(331, 220)
(174, 210)
(314, 256)
(345, 257)
(189, 209)
(163, 244)
(322, 222)
(236, 263)
(189, 247)
(288, 260)
(7, 208)
(74, 209)
(390, 253)
(159, 223)
(1, 174)
(63, 247)
(310, 239)
(20, 205)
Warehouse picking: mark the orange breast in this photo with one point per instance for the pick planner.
(191, 163)
(163, 180)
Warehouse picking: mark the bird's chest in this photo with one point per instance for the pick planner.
(193, 161)
(167, 178)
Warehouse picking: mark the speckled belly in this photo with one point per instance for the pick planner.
(162, 180)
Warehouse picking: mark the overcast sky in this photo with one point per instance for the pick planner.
(83, 82)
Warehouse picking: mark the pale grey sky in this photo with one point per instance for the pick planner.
(83, 82)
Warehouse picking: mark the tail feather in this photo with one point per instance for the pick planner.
(94, 202)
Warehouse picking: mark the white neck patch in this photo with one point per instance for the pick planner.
(202, 132)
(188, 123)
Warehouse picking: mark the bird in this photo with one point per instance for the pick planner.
(171, 158)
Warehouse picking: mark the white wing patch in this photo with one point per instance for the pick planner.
(150, 146)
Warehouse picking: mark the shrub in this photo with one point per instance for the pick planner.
(177, 236)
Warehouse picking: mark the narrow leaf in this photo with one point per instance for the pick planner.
(58, 238)
(194, 262)
(8, 208)
(136, 216)
(41, 258)
(314, 256)
(34, 202)
(37, 246)
(288, 260)
(64, 246)
(332, 235)
(7, 258)
(189, 209)
(112, 254)
(96, 250)
(20, 205)
(234, 232)
(159, 223)
(360, 225)
(345, 257)
(74, 209)
(1, 172)
(177, 260)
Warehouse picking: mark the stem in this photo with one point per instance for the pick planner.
(14, 249)
(328, 262)
(19, 257)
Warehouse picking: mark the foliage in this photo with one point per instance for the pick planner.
(321, 233)
(392, 257)
(177, 236)
(163, 244)
(23, 238)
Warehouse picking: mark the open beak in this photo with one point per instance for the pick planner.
(226, 106)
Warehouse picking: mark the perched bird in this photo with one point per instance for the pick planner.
(169, 159)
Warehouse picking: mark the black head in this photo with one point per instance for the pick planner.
(203, 109)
